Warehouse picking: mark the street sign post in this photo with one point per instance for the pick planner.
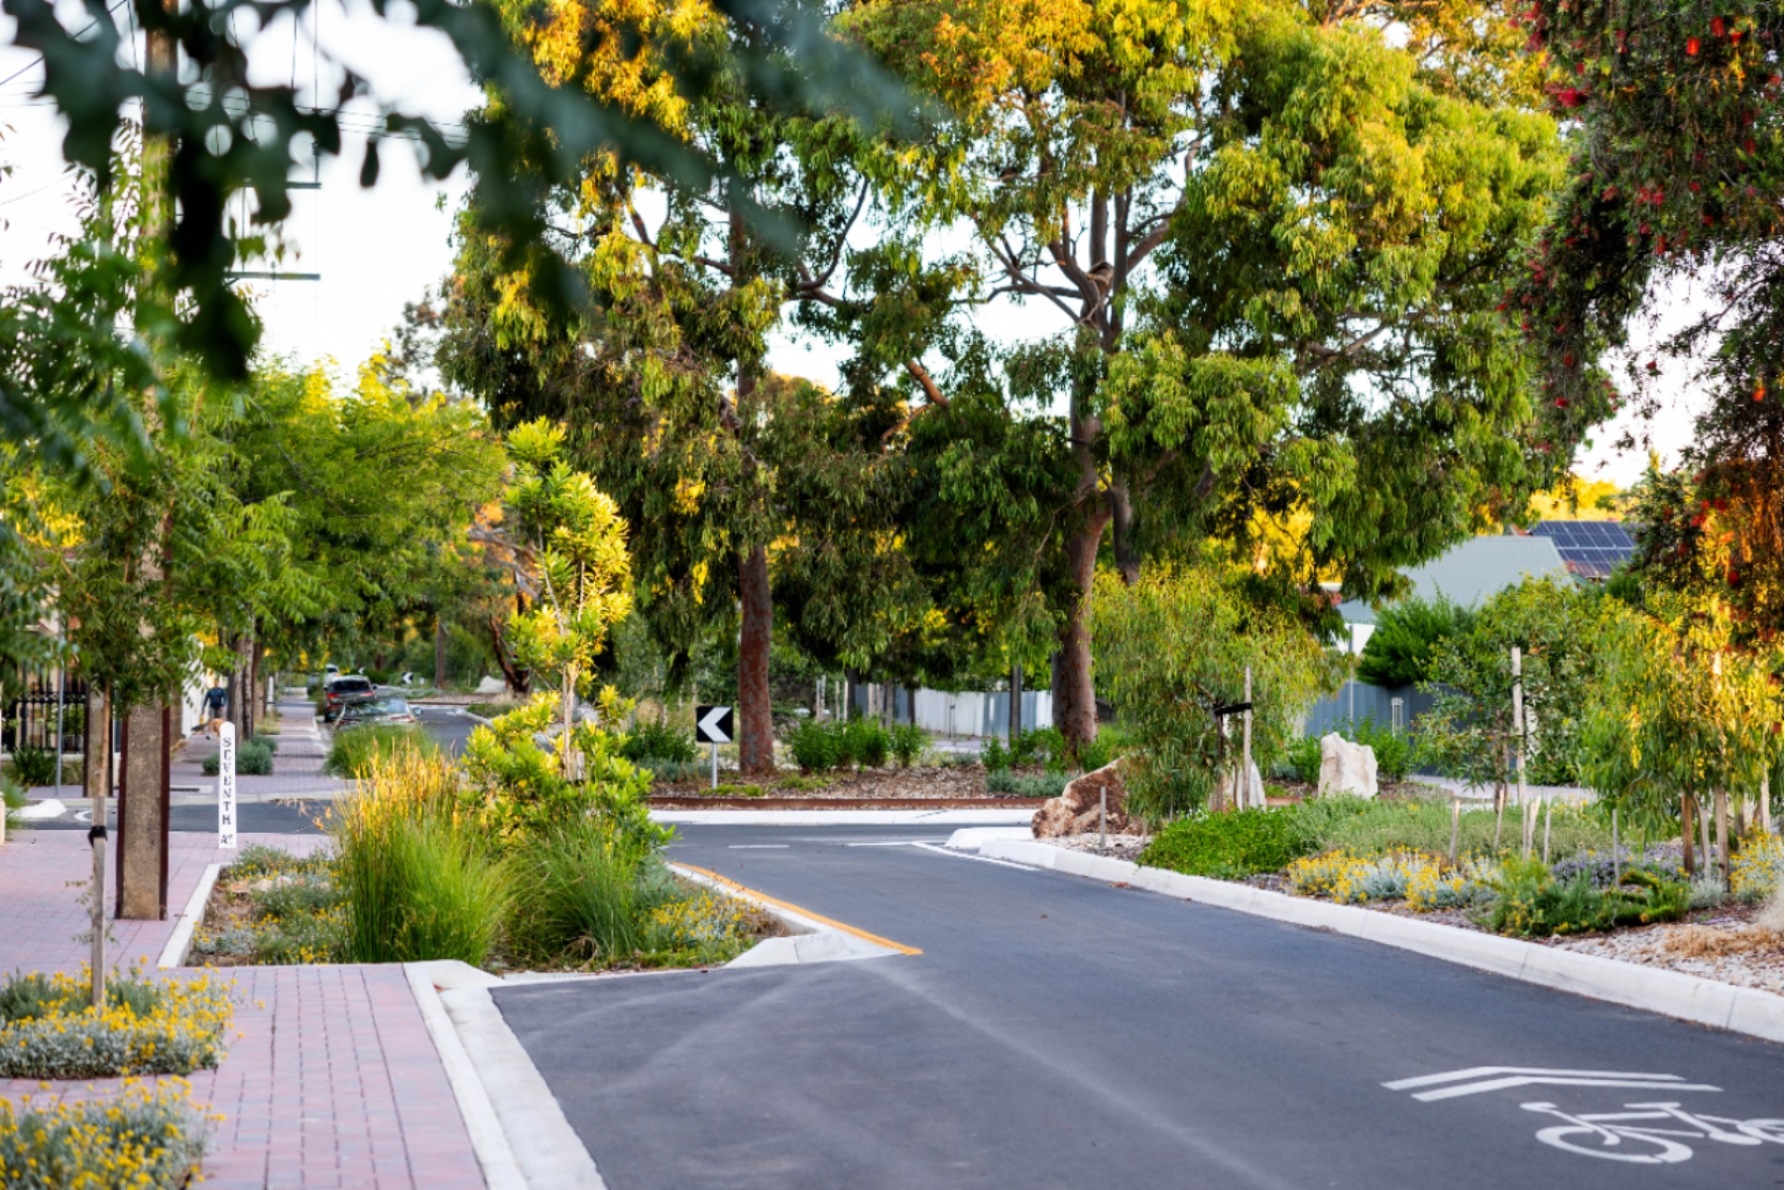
(226, 784)
(713, 725)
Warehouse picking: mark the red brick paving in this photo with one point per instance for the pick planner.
(333, 1081)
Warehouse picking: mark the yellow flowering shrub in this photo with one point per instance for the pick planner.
(48, 1028)
(1426, 881)
(702, 920)
(1755, 871)
(145, 1138)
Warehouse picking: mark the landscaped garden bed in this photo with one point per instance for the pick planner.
(141, 1138)
(49, 1028)
(1393, 857)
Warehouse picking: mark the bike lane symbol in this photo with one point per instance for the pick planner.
(1651, 1133)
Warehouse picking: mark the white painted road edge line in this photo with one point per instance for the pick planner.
(1653, 989)
(180, 941)
(500, 1171)
(843, 817)
(547, 1148)
(978, 859)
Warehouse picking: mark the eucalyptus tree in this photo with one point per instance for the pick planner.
(659, 378)
(1271, 241)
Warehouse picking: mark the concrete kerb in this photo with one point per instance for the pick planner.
(1671, 993)
(550, 1154)
(494, 1154)
(180, 942)
(844, 817)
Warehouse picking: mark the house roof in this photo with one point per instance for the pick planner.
(1590, 549)
(1473, 571)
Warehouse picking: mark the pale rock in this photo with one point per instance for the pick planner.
(1254, 791)
(1075, 811)
(1346, 767)
(489, 685)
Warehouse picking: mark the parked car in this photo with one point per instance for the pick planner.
(361, 711)
(338, 691)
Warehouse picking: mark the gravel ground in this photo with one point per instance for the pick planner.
(1723, 943)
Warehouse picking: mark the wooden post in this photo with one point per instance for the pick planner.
(1723, 837)
(1686, 834)
(1103, 818)
(1616, 875)
(1245, 798)
(1766, 800)
(1016, 702)
(1518, 746)
(1546, 813)
(1704, 831)
(1456, 814)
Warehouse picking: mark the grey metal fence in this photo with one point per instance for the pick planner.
(1390, 706)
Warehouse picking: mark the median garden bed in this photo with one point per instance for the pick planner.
(1394, 857)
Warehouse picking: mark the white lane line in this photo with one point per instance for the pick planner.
(978, 859)
(759, 846)
(897, 843)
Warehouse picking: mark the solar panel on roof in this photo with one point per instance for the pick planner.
(1590, 548)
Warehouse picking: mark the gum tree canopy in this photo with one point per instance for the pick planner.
(1271, 239)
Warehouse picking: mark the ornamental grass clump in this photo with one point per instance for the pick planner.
(356, 750)
(587, 896)
(49, 1028)
(418, 873)
(144, 1138)
(1530, 903)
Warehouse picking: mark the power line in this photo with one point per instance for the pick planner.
(92, 25)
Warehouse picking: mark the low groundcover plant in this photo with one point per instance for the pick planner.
(143, 1138)
(49, 1029)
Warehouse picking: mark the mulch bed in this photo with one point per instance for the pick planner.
(689, 801)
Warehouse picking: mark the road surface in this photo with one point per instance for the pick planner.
(1057, 1031)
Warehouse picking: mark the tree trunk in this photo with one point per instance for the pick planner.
(1075, 703)
(756, 727)
(1016, 702)
(517, 683)
(439, 653)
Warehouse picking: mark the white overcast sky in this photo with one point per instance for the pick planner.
(376, 249)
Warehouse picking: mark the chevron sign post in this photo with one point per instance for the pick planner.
(713, 725)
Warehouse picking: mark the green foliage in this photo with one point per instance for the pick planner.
(1759, 867)
(12, 800)
(674, 772)
(1021, 785)
(908, 743)
(1301, 757)
(1378, 826)
(420, 880)
(1533, 904)
(1469, 732)
(1176, 644)
(33, 766)
(1678, 710)
(658, 742)
(172, 1026)
(153, 1130)
(1229, 845)
(520, 788)
(586, 896)
(254, 758)
(821, 747)
(1400, 651)
(354, 751)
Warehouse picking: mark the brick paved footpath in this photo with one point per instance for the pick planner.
(333, 1081)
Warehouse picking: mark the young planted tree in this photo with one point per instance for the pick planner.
(1271, 246)
(570, 544)
(1175, 645)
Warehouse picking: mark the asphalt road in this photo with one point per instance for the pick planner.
(255, 818)
(447, 727)
(1060, 1032)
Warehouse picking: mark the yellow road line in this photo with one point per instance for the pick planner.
(836, 925)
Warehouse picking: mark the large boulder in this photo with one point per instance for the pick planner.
(1346, 767)
(1251, 797)
(1074, 812)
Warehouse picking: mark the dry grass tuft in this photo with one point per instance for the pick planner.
(1707, 942)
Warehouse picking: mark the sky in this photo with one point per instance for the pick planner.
(377, 249)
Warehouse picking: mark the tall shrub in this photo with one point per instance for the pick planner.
(420, 879)
(1176, 644)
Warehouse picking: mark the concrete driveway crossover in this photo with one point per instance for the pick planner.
(1058, 1032)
